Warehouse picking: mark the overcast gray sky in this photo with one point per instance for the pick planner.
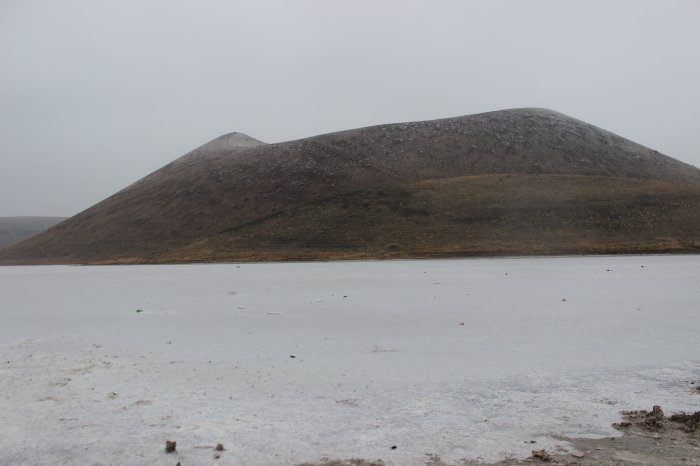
(96, 94)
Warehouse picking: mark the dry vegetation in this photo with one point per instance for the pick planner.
(483, 215)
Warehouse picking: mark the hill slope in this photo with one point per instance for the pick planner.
(235, 181)
(468, 216)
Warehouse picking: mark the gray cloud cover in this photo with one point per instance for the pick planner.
(96, 94)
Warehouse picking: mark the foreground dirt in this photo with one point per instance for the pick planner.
(648, 438)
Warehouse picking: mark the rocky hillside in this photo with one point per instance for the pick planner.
(194, 208)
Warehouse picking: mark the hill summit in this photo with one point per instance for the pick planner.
(519, 181)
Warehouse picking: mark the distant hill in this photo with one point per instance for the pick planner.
(15, 229)
(521, 181)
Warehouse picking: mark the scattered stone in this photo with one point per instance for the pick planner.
(170, 446)
(578, 455)
(691, 422)
(541, 455)
(219, 447)
(348, 402)
(653, 420)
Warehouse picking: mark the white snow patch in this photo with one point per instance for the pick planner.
(340, 360)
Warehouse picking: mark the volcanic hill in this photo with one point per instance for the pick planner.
(515, 182)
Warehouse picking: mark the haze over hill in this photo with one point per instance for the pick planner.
(520, 181)
(15, 229)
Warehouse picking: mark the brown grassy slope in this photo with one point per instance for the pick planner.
(482, 215)
(235, 179)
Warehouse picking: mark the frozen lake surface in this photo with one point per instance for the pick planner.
(286, 363)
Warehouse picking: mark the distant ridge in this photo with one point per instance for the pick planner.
(236, 198)
(15, 229)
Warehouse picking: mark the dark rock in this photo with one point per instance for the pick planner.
(170, 446)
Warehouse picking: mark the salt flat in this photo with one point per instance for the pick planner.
(293, 362)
